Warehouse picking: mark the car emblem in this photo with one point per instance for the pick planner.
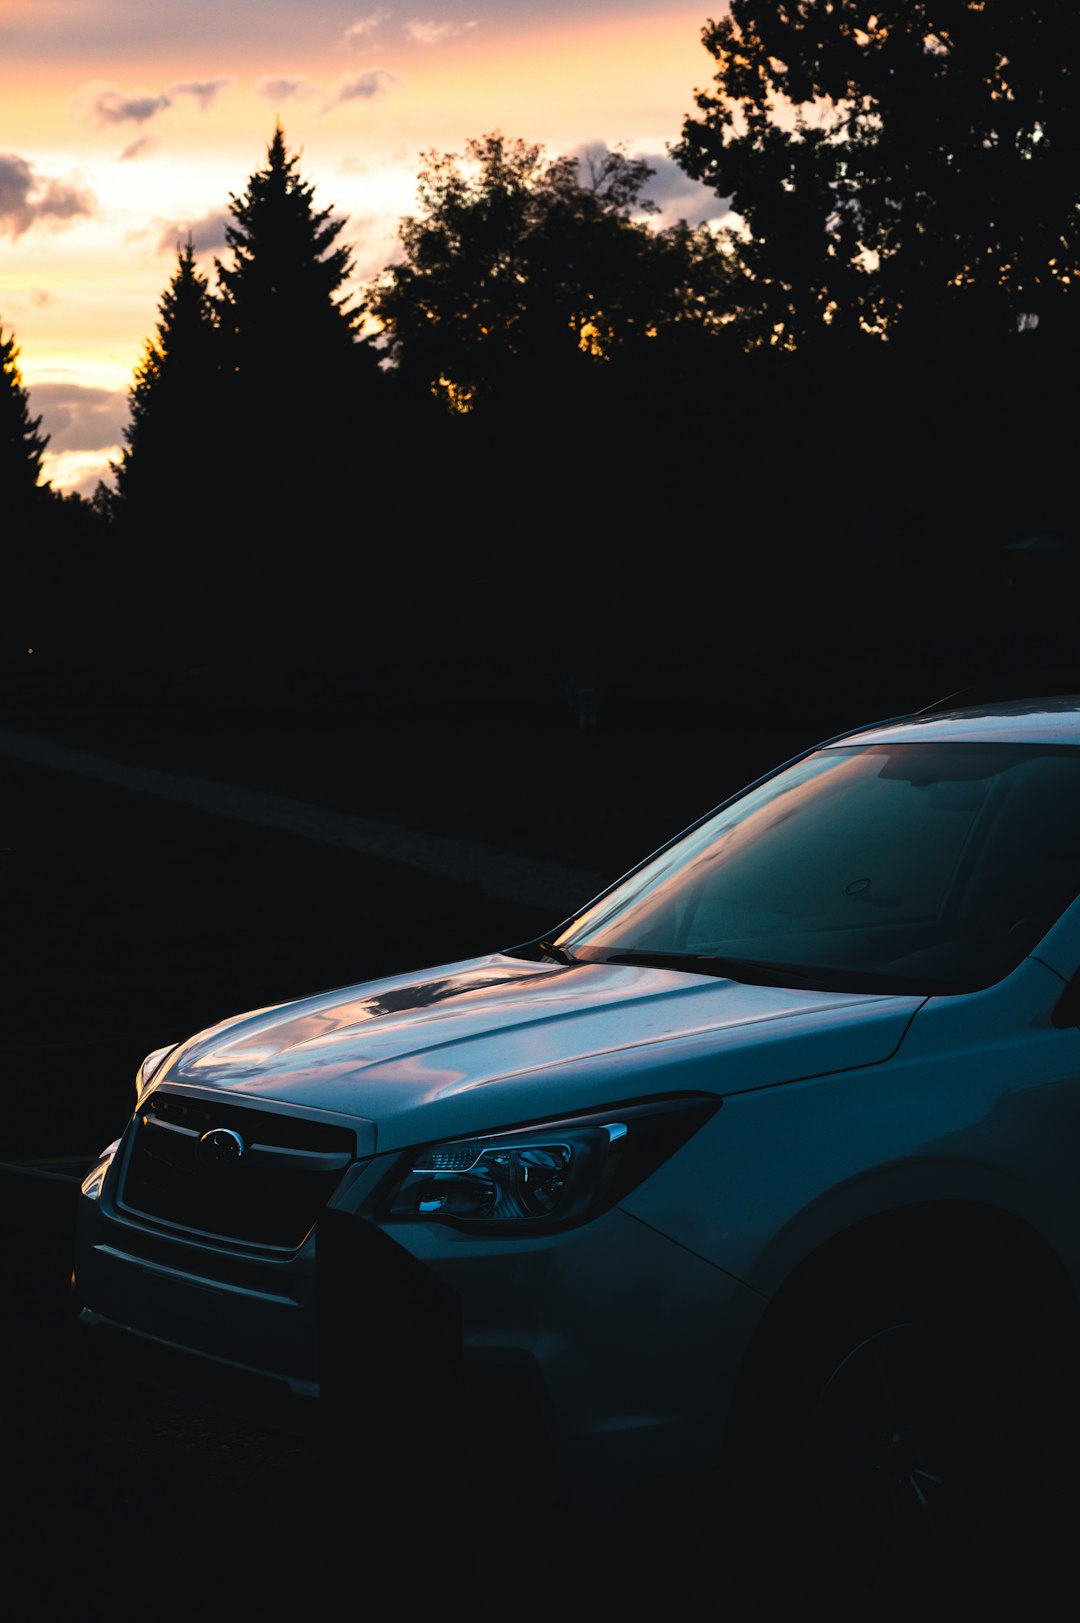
(220, 1148)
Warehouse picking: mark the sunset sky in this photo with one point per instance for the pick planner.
(127, 123)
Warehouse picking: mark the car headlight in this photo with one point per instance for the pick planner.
(548, 1175)
(95, 1177)
(149, 1069)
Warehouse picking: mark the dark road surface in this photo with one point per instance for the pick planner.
(132, 922)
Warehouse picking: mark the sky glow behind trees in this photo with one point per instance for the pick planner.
(126, 126)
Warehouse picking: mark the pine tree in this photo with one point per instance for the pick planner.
(52, 553)
(21, 446)
(287, 270)
(169, 445)
(300, 375)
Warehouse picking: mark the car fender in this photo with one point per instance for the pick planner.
(978, 1105)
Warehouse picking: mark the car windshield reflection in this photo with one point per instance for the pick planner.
(907, 867)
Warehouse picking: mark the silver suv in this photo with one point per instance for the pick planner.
(764, 1162)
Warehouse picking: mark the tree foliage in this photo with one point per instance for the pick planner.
(299, 376)
(284, 286)
(52, 559)
(900, 168)
(272, 349)
(168, 447)
(519, 269)
(21, 446)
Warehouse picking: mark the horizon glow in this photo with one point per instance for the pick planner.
(126, 125)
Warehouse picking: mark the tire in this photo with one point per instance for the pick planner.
(895, 1428)
(889, 1439)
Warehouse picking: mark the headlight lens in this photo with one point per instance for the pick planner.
(519, 1180)
(91, 1184)
(552, 1175)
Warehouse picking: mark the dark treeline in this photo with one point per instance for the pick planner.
(556, 444)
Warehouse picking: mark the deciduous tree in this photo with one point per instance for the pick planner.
(900, 168)
(522, 273)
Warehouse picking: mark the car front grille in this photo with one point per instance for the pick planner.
(268, 1192)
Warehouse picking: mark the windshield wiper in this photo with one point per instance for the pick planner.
(764, 972)
(757, 970)
(560, 954)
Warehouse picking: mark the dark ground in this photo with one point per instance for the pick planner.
(132, 922)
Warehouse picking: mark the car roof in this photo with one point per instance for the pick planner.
(1054, 720)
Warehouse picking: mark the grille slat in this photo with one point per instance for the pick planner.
(251, 1201)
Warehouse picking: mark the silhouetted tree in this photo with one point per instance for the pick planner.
(521, 272)
(52, 552)
(173, 440)
(548, 323)
(301, 376)
(901, 169)
(21, 446)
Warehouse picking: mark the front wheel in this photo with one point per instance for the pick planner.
(902, 1431)
(893, 1441)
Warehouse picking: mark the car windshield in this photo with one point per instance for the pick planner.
(917, 867)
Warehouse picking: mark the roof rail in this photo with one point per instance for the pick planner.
(1051, 685)
(949, 701)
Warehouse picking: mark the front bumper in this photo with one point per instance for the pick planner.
(616, 1346)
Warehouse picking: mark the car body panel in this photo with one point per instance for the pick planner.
(672, 1323)
(1027, 721)
(498, 1040)
(181, 1299)
(1059, 948)
(984, 1110)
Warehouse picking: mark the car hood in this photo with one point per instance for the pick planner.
(497, 1041)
